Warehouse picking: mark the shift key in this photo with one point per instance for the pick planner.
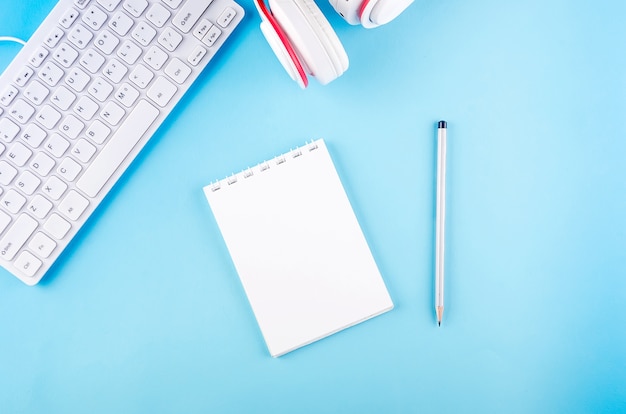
(189, 14)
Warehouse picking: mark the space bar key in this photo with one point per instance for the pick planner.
(117, 149)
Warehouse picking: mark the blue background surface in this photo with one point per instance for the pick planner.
(144, 313)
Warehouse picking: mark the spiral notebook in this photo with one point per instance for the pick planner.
(298, 249)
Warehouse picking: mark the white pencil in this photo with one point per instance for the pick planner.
(440, 218)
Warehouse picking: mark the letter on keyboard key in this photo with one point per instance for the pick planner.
(119, 146)
(17, 235)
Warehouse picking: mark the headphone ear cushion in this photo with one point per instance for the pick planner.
(311, 35)
(281, 53)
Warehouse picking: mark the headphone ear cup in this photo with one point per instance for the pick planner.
(280, 44)
(309, 32)
(370, 13)
(374, 13)
(282, 54)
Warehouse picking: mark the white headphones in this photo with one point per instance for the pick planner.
(303, 40)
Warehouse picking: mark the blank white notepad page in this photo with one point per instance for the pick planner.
(298, 248)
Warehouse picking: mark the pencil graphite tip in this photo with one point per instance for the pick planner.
(439, 323)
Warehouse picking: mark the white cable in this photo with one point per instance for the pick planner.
(12, 39)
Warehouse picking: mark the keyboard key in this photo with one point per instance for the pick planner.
(100, 89)
(143, 33)
(57, 145)
(54, 37)
(42, 245)
(112, 113)
(83, 150)
(196, 56)
(129, 52)
(189, 14)
(162, 91)
(21, 111)
(8, 129)
(170, 39)
(226, 17)
(178, 71)
(33, 135)
(73, 205)
(13, 201)
(127, 95)
(106, 42)
(38, 57)
(94, 18)
(27, 182)
(98, 132)
(16, 236)
(212, 35)
(202, 28)
(80, 36)
(48, 116)
(86, 108)
(77, 79)
(19, 154)
(68, 18)
(42, 164)
(120, 145)
(27, 263)
(39, 206)
(63, 98)
(65, 55)
(135, 7)
(57, 226)
(155, 58)
(92, 61)
(54, 188)
(158, 15)
(114, 71)
(36, 92)
(71, 126)
(141, 76)
(24, 76)
(51, 73)
(121, 23)
(69, 169)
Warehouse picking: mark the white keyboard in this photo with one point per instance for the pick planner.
(80, 101)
